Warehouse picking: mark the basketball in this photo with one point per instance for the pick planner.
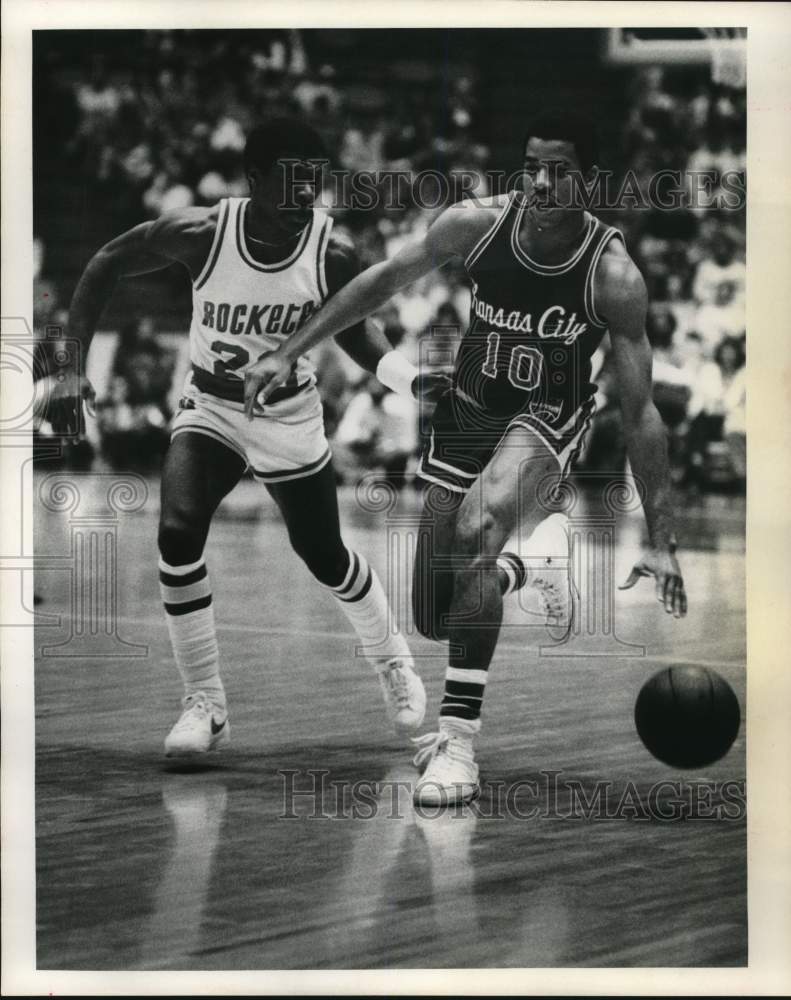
(687, 716)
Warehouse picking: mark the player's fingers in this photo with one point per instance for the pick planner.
(669, 592)
(679, 599)
(270, 382)
(675, 598)
(252, 384)
(632, 579)
(660, 587)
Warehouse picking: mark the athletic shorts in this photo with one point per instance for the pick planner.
(286, 442)
(464, 437)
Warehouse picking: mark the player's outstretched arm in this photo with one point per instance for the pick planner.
(621, 299)
(147, 247)
(366, 344)
(454, 232)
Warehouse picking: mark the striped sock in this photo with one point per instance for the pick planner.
(464, 690)
(186, 594)
(512, 572)
(362, 599)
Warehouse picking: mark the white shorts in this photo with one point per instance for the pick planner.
(286, 442)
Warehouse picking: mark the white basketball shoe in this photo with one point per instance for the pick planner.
(546, 556)
(202, 727)
(451, 774)
(403, 693)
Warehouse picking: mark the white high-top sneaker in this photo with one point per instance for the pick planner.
(403, 693)
(451, 774)
(201, 727)
(547, 558)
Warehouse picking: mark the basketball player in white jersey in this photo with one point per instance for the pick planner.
(259, 266)
(548, 281)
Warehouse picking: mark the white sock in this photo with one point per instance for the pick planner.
(186, 594)
(362, 599)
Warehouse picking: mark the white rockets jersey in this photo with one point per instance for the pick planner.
(242, 308)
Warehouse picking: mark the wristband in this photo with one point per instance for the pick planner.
(396, 373)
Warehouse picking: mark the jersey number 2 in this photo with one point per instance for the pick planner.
(239, 357)
(524, 367)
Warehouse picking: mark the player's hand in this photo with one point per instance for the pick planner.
(270, 371)
(430, 386)
(64, 408)
(663, 566)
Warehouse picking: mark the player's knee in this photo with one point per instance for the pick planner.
(180, 539)
(328, 563)
(477, 534)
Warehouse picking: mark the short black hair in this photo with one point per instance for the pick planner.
(567, 126)
(280, 139)
(660, 325)
(736, 344)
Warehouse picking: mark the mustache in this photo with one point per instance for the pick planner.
(542, 201)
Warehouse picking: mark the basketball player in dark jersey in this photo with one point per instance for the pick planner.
(258, 268)
(548, 280)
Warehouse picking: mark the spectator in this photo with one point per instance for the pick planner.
(724, 317)
(134, 418)
(98, 100)
(228, 134)
(734, 429)
(721, 267)
(671, 381)
(439, 342)
(212, 187)
(378, 430)
(718, 396)
(165, 196)
(316, 96)
(363, 145)
(144, 364)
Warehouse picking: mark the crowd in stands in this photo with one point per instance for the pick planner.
(166, 128)
(693, 260)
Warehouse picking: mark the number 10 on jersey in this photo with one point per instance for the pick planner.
(524, 366)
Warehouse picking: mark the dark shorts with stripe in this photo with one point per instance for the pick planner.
(464, 437)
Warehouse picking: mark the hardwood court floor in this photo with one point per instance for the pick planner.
(145, 865)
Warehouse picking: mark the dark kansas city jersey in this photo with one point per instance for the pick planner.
(533, 327)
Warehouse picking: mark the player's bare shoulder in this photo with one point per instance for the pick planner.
(619, 287)
(185, 235)
(460, 227)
